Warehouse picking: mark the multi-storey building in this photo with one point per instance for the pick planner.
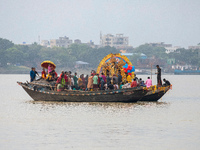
(61, 42)
(118, 41)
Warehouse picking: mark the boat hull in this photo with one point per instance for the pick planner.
(128, 96)
(154, 96)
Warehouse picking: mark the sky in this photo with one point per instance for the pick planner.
(175, 22)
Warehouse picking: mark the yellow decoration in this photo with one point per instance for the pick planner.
(129, 79)
(113, 65)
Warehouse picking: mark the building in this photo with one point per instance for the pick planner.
(61, 42)
(171, 49)
(77, 41)
(194, 47)
(160, 44)
(45, 43)
(119, 41)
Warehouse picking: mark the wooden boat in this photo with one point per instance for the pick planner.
(39, 92)
(154, 95)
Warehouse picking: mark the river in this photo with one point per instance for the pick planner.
(171, 123)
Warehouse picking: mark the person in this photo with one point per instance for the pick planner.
(66, 79)
(128, 78)
(108, 79)
(53, 75)
(90, 81)
(43, 73)
(95, 82)
(69, 82)
(166, 82)
(49, 77)
(104, 77)
(148, 82)
(32, 74)
(49, 68)
(86, 82)
(110, 86)
(99, 81)
(75, 80)
(121, 84)
(72, 82)
(80, 82)
(36, 72)
(119, 77)
(134, 83)
(142, 84)
(102, 83)
(127, 85)
(83, 79)
(61, 81)
(159, 81)
(139, 81)
(115, 79)
(116, 86)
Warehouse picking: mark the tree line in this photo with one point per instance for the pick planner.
(34, 54)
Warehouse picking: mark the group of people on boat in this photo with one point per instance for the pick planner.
(93, 82)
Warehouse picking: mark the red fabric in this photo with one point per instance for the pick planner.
(44, 73)
(56, 74)
(134, 84)
(98, 80)
(59, 79)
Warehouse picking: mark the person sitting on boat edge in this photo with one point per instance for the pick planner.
(127, 85)
(148, 82)
(134, 83)
(166, 82)
(142, 84)
(51, 76)
(110, 86)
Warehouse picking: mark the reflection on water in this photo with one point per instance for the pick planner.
(171, 123)
(99, 105)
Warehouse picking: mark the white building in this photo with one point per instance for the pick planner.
(61, 42)
(171, 49)
(119, 41)
(45, 43)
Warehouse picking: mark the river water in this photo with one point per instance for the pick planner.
(171, 123)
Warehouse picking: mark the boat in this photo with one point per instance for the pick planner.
(154, 95)
(186, 72)
(44, 92)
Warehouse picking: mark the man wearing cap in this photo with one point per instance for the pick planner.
(159, 81)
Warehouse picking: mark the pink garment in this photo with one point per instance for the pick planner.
(104, 78)
(148, 83)
(49, 69)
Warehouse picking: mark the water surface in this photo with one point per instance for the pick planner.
(171, 123)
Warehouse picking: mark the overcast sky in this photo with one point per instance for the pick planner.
(174, 22)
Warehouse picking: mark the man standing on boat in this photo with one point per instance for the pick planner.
(32, 74)
(159, 81)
